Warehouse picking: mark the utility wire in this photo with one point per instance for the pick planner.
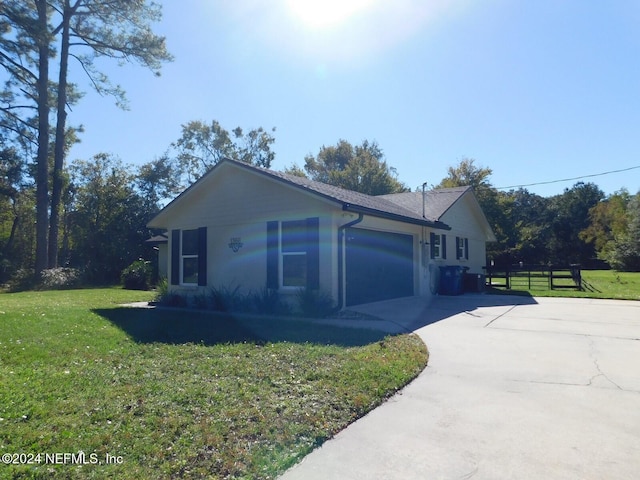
(568, 179)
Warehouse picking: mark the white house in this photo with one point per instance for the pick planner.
(241, 225)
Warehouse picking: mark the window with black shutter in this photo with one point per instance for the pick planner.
(438, 246)
(462, 248)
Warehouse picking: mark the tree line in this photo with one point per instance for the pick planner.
(579, 226)
(106, 204)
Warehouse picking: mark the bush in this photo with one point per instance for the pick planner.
(162, 290)
(200, 301)
(227, 299)
(268, 302)
(314, 303)
(60, 278)
(23, 279)
(174, 300)
(137, 276)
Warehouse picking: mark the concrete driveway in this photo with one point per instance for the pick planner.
(516, 388)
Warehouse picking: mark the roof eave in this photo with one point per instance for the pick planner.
(392, 216)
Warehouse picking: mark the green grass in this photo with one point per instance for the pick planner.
(597, 283)
(180, 394)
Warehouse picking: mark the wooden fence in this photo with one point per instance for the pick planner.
(534, 277)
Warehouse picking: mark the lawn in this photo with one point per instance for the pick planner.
(133, 393)
(597, 284)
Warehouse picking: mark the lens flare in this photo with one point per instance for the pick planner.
(322, 14)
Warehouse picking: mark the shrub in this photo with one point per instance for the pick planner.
(162, 290)
(226, 299)
(175, 300)
(200, 301)
(314, 303)
(60, 278)
(137, 276)
(23, 279)
(268, 302)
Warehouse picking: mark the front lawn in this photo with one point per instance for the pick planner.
(162, 394)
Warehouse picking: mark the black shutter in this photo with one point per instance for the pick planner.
(457, 248)
(466, 248)
(432, 244)
(443, 246)
(175, 257)
(272, 255)
(313, 253)
(202, 256)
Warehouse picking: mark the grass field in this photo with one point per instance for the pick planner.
(135, 393)
(597, 283)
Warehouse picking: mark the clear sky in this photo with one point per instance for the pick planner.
(535, 90)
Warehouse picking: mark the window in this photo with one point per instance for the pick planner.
(294, 253)
(462, 248)
(189, 257)
(438, 246)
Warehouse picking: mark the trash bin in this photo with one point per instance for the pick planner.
(474, 282)
(451, 280)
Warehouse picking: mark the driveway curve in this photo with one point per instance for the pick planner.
(516, 387)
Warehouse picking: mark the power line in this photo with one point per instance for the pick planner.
(568, 179)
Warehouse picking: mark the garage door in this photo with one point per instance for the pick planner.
(379, 266)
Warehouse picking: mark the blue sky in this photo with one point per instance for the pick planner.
(535, 90)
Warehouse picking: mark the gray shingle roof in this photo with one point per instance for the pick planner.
(387, 206)
(436, 202)
(404, 207)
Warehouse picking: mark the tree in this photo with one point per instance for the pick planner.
(25, 48)
(361, 168)
(86, 30)
(158, 181)
(608, 220)
(570, 216)
(530, 228)
(117, 29)
(525, 225)
(624, 251)
(202, 145)
(108, 218)
(466, 173)
(11, 174)
(295, 170)
(532, 224)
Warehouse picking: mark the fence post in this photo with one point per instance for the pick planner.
(577, 275)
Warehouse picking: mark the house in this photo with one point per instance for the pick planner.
(159, 243)
(241, 225)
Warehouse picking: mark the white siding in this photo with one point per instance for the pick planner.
(237, 204)
(464, 223)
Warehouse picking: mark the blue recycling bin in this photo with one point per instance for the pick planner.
(451, 280)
